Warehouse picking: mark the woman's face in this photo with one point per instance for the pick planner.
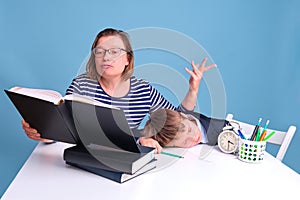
(109, 66)
(189, 136)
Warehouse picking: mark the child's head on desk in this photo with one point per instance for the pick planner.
(171, 128)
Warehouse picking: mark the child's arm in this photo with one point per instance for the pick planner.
(150, 142)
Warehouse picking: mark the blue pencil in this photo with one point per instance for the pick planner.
(171, 154)
(241, 134)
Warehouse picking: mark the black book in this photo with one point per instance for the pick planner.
(50, 113)
(45, 111)
(73, 118)
(102, 157)
(119, 177)
(79, 120)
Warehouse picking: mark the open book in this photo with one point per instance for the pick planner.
(81, 120)
(73, 118)
(55, 97)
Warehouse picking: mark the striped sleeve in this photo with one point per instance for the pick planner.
(73, 88)
(158, 101)
(84, 86)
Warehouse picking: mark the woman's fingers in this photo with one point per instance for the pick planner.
(33, 133)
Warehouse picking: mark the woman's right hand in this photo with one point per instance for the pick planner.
(33, 133)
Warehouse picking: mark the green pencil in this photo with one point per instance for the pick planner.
(270, 135)
(171, 154)
(257, 135)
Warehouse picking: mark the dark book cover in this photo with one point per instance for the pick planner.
(109, 159)
(101, 129)
(119, 177)
(51, 121)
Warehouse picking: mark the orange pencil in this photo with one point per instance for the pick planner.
(263, 135)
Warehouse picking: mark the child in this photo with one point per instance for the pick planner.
(167, 128)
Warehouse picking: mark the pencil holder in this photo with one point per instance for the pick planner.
(251, 151)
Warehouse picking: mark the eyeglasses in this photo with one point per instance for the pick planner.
(112, 52)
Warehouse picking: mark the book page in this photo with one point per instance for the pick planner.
(47, 95)
(87, 100)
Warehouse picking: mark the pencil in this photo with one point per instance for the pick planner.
(264, 132)
(241, 134)
(266, 125)
(270, 135)
(171, 154)
(253, 137)
(263, 135)
(257, 135)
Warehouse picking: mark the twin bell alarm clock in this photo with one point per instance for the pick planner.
(228, 140)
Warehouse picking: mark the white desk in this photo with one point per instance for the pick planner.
(217, 176)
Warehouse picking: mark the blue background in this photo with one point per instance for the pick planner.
(256, 45)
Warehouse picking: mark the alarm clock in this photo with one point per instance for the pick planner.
(228, 139)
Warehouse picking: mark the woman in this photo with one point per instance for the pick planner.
(109, 80)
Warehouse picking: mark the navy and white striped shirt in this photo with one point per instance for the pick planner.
(141, 99)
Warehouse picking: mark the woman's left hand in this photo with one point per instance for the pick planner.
(197, 74)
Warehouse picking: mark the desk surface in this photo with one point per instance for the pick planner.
(202, 173)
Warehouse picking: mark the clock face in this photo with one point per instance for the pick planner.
(228, 141)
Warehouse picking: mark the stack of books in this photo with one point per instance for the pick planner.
(105, 145)
(114, 164)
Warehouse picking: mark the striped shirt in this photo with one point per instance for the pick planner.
(141, 99)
